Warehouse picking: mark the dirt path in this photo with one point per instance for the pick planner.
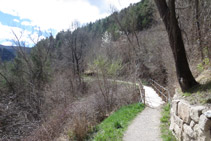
(146, 126)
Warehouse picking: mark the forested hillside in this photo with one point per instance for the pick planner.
(45, 92)
(8, 53)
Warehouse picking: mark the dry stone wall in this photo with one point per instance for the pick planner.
(190, 122)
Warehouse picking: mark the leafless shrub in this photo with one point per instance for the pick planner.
(51, 128)
(81, 126)
(127, 94)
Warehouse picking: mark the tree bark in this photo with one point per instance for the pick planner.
(168, 14)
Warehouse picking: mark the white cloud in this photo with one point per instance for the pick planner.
(16, 20)
(26, 23)
(55, 14)
(7, 30)
(22, 35)
(7, 43)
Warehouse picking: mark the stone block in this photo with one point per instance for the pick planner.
(204, 123)
(184, 111)
(196, 130)
(171, 111)
(178, 121)
(175, 106)
(195, 112)
(185, 137)
(188, 130)
(192, 124)
(178, 131)
(199, 134)
(172, 124)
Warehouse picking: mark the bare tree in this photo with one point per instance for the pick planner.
(76, 43)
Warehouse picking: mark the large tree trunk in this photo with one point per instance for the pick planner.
(168, 14)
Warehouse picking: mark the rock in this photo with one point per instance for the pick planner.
(195, 112)
(172, 124)
(185, 137)
(204, 123)
(208, 114)
(189, 122)
(178, 121)
(197, 131)
(178, 131)
(188, 130)
(192, 124)
(175, 106)
(183, 111)
(200, 135)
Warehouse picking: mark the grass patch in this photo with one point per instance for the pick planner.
(113, 128)
(200, 94)
(166, 134)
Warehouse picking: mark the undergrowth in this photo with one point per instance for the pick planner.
(166, 134)
(199, 94)
(112, 128)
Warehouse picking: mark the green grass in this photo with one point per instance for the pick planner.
(113, 128)
(166, 134)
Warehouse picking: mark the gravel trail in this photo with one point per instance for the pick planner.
(146, 126)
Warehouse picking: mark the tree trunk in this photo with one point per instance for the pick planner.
(168, 14)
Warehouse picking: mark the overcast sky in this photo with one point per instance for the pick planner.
(30, 16)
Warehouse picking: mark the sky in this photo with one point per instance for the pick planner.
(32, 20)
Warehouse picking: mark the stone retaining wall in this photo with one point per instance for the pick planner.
(190, 123)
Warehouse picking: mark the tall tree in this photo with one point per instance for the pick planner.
(168, 14)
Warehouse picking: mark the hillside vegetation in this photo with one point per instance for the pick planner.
(44, 92)
(8, 53)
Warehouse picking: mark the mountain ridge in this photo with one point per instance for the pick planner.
(8, 53)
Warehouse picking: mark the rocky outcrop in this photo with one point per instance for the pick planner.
(190, 122)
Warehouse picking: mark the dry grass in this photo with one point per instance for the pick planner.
(200, 94)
